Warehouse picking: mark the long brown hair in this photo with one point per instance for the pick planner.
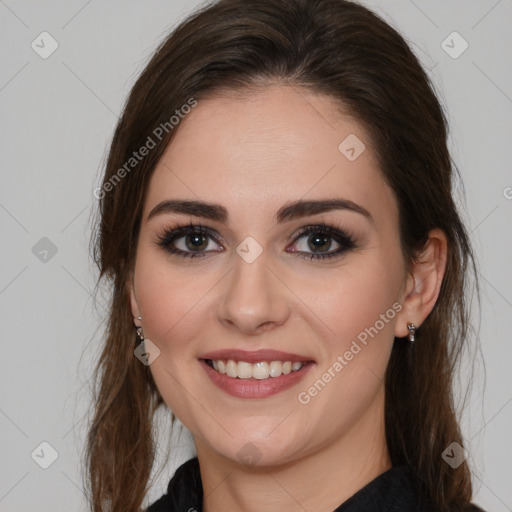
(345, 51)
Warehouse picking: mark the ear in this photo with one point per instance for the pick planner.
(130, 288)
(423, 283)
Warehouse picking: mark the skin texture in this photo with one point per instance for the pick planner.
(253, 153)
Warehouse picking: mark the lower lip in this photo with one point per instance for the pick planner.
(255, 388)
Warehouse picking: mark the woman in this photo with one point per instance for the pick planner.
(288, 270)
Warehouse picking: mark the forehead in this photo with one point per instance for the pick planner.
(260, 148)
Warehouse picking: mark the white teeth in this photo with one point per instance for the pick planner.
(276, 368)
(244, 370)
(231, 368)
(261, 370)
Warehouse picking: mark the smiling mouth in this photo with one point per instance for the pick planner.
(261, 370)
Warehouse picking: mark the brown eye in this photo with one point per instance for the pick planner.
(318, 242)
(196, 242)
(189, 241)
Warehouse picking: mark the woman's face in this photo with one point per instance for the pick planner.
(259, 289)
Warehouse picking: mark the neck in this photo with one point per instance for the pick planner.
(320, 481)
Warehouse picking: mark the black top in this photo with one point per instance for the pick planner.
(396, 490)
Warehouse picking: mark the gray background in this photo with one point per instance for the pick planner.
(58, 115)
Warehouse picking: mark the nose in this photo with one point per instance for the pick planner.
(254, 298)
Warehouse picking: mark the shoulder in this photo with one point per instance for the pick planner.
(397, 490)
(405, 474)
(184, 491)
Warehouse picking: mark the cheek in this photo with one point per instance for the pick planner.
(359, 306)
(352, 299)
(173, 312)
(170, 300)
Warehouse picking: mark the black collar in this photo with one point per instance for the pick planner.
(396, 490)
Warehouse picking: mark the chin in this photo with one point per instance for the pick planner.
(251, 445)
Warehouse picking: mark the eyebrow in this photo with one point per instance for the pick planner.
(289, 211)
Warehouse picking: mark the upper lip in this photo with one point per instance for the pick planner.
(255, 356)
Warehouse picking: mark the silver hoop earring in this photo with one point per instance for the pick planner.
(412, 332)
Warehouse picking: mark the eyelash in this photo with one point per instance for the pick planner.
(169, 236)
